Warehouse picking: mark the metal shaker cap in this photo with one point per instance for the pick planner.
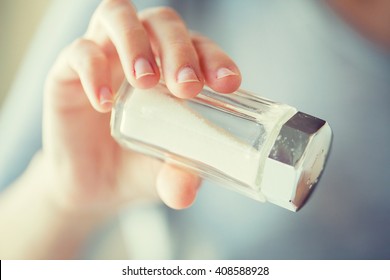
(296, 161)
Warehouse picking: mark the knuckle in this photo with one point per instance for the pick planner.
(164, 13)
(110, 9)
(167, 13)
(110, 4)
(181, 46)
(91, 63)
(77, 44)
(133, 32)
(87, 60)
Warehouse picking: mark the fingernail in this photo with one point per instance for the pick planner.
(142, 68)
(225, 72)
(105, 96)
(187, 75)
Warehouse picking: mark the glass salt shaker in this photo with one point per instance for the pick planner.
(263, 149)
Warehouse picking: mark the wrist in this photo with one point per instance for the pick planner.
(40, 226)
(65, 194)
(64, 220)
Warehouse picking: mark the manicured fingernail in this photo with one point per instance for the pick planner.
(225, 72)
(105, 96)
(142, 68)
(187, 75)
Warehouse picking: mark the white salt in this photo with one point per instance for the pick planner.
(161, 120)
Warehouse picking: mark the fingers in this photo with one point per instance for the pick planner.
(179, 61)
(83, 62)
(220, 72)
(118, 34)
(187, 59)
(120, 21)
(176, 187)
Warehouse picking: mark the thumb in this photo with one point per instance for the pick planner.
(176, 187)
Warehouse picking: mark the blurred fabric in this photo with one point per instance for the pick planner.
(296, 52)
(18, 22)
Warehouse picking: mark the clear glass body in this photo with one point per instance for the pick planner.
(223, 137)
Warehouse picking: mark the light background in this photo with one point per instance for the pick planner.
(18, 22)
(296, 52)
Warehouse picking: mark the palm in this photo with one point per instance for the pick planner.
(90, 167)
(102, 172)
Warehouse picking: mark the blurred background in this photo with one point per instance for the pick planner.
(298, 52)
(18, 22)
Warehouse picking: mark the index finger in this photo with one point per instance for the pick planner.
(119, 20)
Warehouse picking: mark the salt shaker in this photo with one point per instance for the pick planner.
(266, 150)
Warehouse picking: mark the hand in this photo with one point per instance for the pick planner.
(89, 170)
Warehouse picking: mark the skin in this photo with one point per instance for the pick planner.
(369, 17)
(81, 177)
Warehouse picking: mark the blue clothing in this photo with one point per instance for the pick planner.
(299, 53)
